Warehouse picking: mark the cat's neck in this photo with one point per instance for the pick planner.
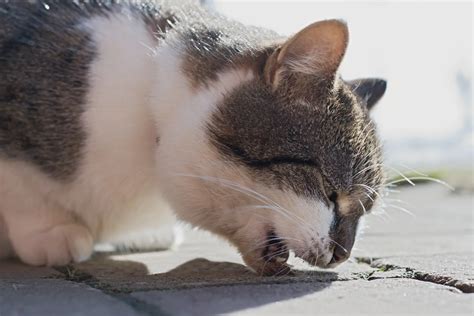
(177, 101)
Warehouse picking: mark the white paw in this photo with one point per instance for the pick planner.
(56, 247)
(161, 239)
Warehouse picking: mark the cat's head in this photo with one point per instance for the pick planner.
(293, 160)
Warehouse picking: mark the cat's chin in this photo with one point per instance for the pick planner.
(271, 259)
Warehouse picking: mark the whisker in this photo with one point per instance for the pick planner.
(368, 196)
(338, 244)
(401, 209)
(402, 175)
(263, 244)
(414, 171)
(272, 257)
(397, 201)
(252, 193)
(363, 207)
(370, 189)
(443, 183)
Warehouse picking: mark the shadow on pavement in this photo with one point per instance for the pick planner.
(219, 300)
(203, 287)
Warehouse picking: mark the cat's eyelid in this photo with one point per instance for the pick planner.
(282, 160)
(239, 152)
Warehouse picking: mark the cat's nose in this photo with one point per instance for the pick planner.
(339, 255)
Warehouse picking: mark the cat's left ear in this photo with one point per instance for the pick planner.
(369, 90)
(316, 50)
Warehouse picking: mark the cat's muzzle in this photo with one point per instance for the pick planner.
(275, 255)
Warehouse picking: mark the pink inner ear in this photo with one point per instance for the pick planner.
(318, 48)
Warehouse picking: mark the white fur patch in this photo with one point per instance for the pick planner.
(118, 171)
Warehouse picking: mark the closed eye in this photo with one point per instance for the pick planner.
(279, 161)
(265, 163)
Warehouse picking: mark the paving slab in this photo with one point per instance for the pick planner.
(441, 222)
(57, 297)
(434, 209)
(377, 297)
(435, 244)
(455, 270)
(412, 245)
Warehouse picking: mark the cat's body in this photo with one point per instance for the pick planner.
(115, 118)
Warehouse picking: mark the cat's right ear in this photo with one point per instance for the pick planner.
(316, 50)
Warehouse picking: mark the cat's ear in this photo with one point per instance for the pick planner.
(369, 90)
(318, 49)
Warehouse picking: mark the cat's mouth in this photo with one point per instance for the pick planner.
(276, 252)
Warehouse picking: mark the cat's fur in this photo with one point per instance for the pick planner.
(117, 117)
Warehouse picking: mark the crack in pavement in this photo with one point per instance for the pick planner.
(72, 274)
(410, 273)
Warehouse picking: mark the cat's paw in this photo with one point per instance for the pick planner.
(58, 246)
(162, 239)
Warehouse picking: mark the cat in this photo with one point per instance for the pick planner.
(119, 118)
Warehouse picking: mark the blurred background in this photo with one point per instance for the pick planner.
(423, 49)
